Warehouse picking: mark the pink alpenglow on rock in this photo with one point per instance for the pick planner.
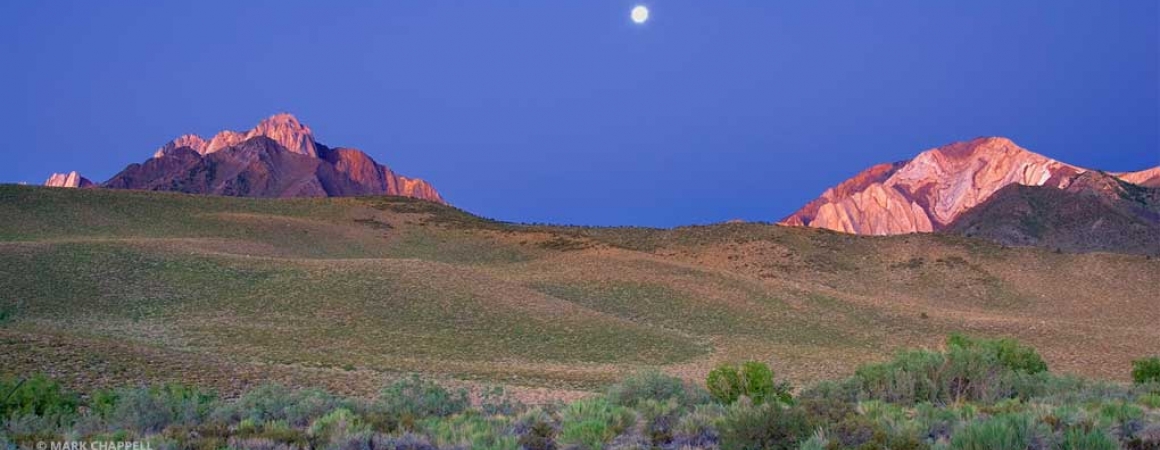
(68, 180)
(277, 158)
(930, 191)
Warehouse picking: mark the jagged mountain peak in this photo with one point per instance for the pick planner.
(197, 143)
(277, 158)
(283, 128)
(930, 191)
(68, 180)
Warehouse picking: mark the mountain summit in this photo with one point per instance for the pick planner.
(931, 191)
(277, 158)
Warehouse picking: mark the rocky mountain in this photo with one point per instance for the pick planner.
(277, 158)
(68, 180)
(1096, 211)
(931, 191)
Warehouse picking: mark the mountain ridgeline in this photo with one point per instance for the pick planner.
(277, 158)
(987, 187)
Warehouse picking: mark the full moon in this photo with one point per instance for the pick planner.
(639, 14)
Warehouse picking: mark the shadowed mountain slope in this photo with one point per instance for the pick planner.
(1095, 212)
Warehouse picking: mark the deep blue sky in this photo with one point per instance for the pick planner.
(565, 111)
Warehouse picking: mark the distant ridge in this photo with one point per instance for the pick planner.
(279, 157)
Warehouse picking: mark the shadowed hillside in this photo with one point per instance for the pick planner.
(104, 287)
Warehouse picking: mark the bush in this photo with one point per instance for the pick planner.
(591, 423)
(472, 431)
(413, 398)
(1010, 353)
(752, 379)
(659, 420)
(970, 370)
(275, 402)
(7, 313)
(1003, 432)
(536, 430)
(1080, 439)
(150, 410)
(337, 425)
(654, 385)
(1146, 370)
(748, 426)
(496, 401)
(698, 429)
(38, 395)
(912, 376)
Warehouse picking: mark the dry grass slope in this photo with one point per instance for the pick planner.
(103, 287)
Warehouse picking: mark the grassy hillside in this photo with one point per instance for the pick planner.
(106, 287)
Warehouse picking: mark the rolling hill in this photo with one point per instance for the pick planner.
(109, 286)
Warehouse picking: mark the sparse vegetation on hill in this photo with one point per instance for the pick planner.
(108, 288)
(645, 411)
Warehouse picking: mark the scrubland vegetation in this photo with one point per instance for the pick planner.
(970, 394)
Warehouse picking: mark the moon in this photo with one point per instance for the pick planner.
(639, 14)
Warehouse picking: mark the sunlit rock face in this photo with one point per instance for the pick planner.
(68, 180)
(1148, 178)
(930, 191)
(285, 129)
(192, 141)
(277, 158)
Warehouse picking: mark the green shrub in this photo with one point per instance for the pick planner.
(912, 376)
(698, 429)
(275, 402)
(494, 400)
(655, 385)
(1150, 400)
(7, 314)
(591, 423)
(413, 398)
(748, 426)
(659, 420)
(724, 383)
(37, 395)
(1080, 439)
(472, 431)
(149, 410)
(536, 430)
(1010, 353)
(276, 431)
(336, 425)
(752, 379)
(1003, 432)
(1146, 370)
(969, 370)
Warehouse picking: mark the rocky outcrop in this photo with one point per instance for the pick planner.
(277, 158)
(68, 180)
(931, 191)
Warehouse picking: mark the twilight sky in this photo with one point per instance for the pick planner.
(568, 112)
